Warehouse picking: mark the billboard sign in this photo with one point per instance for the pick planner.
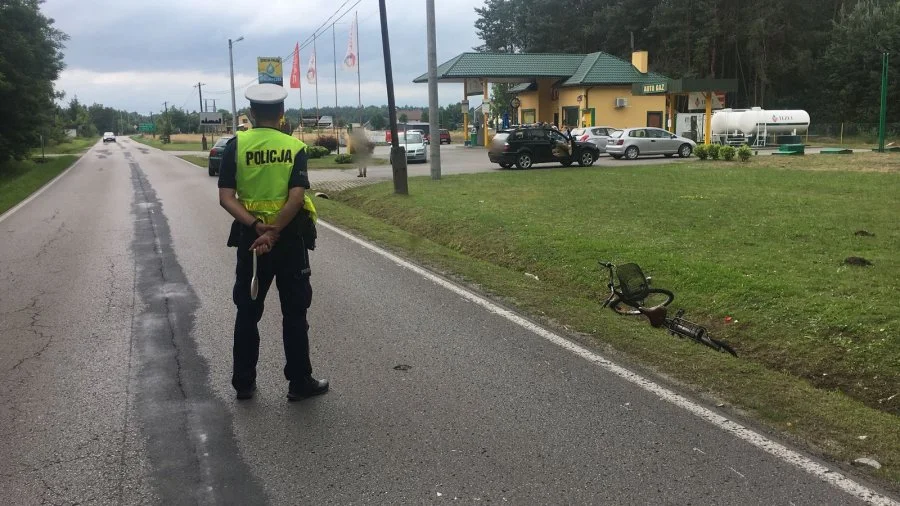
(211, 119)
(146, 127)
(270, 70)
(697, 101)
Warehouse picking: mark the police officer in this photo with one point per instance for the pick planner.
(262, 183)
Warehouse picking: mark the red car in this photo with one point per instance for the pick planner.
(445, 136)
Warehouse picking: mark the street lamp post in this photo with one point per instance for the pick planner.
(233, 104)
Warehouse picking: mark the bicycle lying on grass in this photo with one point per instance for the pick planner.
(632, 295)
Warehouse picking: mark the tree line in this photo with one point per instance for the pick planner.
(823, 56)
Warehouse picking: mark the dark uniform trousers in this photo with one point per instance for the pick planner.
(288, 264)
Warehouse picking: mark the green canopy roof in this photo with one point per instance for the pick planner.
(578, 69)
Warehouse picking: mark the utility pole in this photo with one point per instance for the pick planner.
(883, 114)
(233, 104)
(398, 154)
(202, 127)
(168, 133)
(433, 119)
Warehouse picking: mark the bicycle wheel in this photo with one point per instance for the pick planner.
(654, 297)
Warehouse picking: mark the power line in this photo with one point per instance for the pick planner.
(318, 31)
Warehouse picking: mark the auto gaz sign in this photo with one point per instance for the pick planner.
(655, 88)
(270, 70)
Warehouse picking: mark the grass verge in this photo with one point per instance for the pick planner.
(200, 161)
(19, 179)
(761, 242)
(327, 162)
(71, 147)
(172, 146)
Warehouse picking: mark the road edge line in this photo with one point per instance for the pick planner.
(35, 194)
(756, 439)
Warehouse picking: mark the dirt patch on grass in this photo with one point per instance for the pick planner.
(859, 161)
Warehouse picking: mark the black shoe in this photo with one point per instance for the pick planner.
(308, 388)
(246, 393)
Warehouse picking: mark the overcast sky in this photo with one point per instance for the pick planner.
(136, 54)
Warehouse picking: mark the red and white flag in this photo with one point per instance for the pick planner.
(311, 68)
(352, 58)
(295, 69)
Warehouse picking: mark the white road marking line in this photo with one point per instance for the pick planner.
(736, 472)
(42, 189)
(777, 449)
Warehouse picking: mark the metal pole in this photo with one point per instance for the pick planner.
(233, 104)
(433, 125)
(202, 127)
(358, 65)
(316, 75)
(398, 154)
(334, 117)
(883, 115)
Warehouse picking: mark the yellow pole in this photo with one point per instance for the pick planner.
(465, 118)
(484, 113)
(708, 126)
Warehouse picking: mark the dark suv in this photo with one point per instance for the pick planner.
(524, 147)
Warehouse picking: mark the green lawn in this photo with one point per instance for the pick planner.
(200, 161)
(72, 147)
(327, 162)
(18, 180)
(763, 243)
(173, 146)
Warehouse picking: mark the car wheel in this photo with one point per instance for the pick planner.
(685, 150)
(524, 161)
(213, 172)
(587, 159)
(505, 165)
(632, 153)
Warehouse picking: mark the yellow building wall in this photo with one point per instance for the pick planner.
(529, 100)
(603, 101)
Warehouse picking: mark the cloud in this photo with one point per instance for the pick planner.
(135, 55)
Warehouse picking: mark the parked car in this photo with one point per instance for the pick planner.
(109, 137)
(414, 143)
(445, 136)
(598, 135)
(634, 142)
(526, 146)
(215, 155)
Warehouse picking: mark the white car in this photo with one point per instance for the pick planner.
(634, 142)
(109, 137)
(414, 143)
(598, 135)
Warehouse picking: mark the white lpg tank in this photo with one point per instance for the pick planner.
(745, 121)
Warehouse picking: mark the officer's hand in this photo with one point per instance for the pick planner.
(264, 243)
(261, 228)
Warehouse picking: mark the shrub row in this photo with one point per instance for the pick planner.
(716, 151)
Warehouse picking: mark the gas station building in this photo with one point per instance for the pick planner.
(576, 90)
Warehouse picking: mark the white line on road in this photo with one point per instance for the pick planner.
(782, 452)
(41, 190)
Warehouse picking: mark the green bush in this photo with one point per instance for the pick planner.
(727, 153)
(318, 151)
(343, 158)
(702, 151)
(744, 153)
(329, 142)
(715, 151)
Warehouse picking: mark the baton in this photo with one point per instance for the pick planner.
(254, 283)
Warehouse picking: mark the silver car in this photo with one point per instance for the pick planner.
(598, 135)
(414, 143)
(634, 142)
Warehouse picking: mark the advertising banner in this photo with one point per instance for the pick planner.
(270, 70)
(211, 119)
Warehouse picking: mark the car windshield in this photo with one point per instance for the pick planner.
(578, 131)
(221, 142)
(410, 138)
(616, 133)
(501, 137)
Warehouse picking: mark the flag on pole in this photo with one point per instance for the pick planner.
(295, 69)
(311, 68)
(352, 57)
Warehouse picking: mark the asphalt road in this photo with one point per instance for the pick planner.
(115, 366)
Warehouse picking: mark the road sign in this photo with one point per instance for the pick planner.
(270, 70)
(211, 119)
(147, 127)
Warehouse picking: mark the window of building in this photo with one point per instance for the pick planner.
(529, 116)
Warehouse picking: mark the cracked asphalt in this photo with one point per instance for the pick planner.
(115, 330)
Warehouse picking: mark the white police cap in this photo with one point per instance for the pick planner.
(266, 93)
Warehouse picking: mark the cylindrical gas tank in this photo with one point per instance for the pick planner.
(747, 121)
